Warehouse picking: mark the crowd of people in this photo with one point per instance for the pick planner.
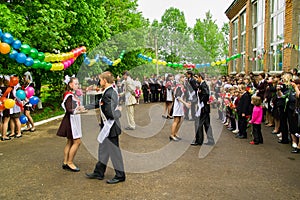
(246, 101)
(10, 124)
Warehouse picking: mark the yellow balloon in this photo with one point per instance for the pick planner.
(213, 64)
(9, 103)
(218, 62)
(154, 60)
(164, 63)
(224, 61)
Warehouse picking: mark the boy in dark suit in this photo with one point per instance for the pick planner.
(243, 110)
(109, 139)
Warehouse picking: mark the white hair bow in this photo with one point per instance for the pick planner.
(7, 77)
(28, 76)
(68, 78)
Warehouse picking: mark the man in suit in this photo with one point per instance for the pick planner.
(130, 100)
(192, 88)
(203, 114)
(243, 111)
(110, 131)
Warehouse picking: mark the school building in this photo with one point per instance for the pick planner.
(266, 33)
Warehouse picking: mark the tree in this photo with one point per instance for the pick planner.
(208, 35)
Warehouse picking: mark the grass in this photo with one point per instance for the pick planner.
(46, 112)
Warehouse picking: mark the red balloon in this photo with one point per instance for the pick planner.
(13, 81)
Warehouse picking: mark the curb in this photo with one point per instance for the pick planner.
(48, 120)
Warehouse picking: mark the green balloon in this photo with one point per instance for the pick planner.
(48, 66)
(43, 65)
(33, 53)
(180, 65)
(25, 48)
(121, 57)
(41, 56)
(175, 64)
(169, 64)
(36, 64)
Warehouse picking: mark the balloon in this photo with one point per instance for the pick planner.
(33, 53)
(218, 62)
(213, 64)
(16, 44)
(34, 100)
(154, 61)
(48, 66)
(29, 91)
(29, 61)
(150, 59)
(41, 56)
(14, 80)
(25, 48)
(13, 54)
(198, 65)
(36, 64)
(21, 95)
(83, 48)
(7, 38)
(23, 119)
(9, 103)
(169, 64)
(223, 61)
(180, 65)
(1, 33)
(4, 48)
(21, 58)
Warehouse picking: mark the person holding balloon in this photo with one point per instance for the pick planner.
(9, 110)
(28, 87)
(70, 126)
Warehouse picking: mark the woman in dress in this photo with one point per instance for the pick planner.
(70, 126)
(169, 87)
(27, 78)
(178, 111)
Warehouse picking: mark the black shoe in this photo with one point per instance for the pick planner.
(283, 142)
(94, 176)
(237, 136)
(209, 143)
(243, 137)
(115, 180)
(172, 138)
(230, 129)
(72, 170)
(295, 150)
(3, 139)
(195, 144)
(64, 166)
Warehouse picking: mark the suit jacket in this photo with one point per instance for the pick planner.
(129, 93)
(203, 95)
(244, 104)
(261, 87)
(109, 103)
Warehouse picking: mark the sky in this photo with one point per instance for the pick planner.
(192, 9)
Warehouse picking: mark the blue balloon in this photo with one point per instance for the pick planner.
(110, 63)
(86, 61)
(13, 54)
(208, 64)
(34, 100)
(21, 58)
(150, 59)
(29, 61)
(21, 95)
(17, 44)
(1, 33)
(7, 38)
(23, 119)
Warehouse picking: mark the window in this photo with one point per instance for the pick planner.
(234, 43)
(277, 31)
(258, 34)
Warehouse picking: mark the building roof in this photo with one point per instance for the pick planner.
(235, 8)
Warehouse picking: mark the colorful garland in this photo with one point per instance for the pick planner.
(97, 58)
(187, 65)
(31, 57)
